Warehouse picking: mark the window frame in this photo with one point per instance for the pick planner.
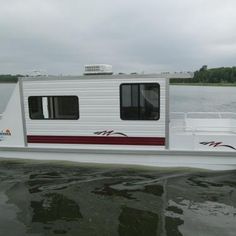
(139, 84)
(53, 107)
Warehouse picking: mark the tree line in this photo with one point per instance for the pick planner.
(9, 78)
(222, 75)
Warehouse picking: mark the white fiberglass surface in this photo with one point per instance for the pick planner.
(6, 90)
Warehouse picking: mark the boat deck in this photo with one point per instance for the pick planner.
(203, 131)
(210, 122)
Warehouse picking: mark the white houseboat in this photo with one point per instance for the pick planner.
(112, 119)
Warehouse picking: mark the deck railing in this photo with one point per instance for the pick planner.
(203, 115)
(213, 122)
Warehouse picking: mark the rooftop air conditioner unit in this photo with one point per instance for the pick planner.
(98, 69)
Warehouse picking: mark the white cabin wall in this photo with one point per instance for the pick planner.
(99, 104)
(12, 120)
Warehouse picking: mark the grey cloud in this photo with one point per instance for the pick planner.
(152, 35)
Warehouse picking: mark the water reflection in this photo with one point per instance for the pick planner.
(46, 199)
(207, 218)
(53, 207)
(171, 226)
(134, 222)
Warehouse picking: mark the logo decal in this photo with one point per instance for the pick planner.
(109, 133)
(217, 144)
(4, 133)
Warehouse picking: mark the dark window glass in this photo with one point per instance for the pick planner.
(54, 107)
(36, 108)
(140, 101)
(65, 107)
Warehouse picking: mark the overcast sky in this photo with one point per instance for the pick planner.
(60, 36)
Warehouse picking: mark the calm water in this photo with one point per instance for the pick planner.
(202, 98)
(40, 198)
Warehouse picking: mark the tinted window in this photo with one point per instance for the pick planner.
(140, 101)
(54, 107)
(36, 108)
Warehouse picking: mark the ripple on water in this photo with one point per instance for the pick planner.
(58, 199)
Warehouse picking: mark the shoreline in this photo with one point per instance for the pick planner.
(205, 84)
(171, 83)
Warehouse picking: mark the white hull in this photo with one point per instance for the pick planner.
(166, 158)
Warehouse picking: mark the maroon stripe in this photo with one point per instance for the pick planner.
(154, 141)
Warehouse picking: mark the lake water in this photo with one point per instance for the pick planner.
(42, 198)
(202, 99)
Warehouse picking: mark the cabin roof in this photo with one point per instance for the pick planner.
(119, 76)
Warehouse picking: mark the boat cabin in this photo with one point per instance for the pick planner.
(89, 109)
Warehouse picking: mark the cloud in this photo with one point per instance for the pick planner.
(60, 36)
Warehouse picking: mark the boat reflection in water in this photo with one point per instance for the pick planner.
(63, 199)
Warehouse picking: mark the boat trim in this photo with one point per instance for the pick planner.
(167, 112)
(150, 141)
(23, 112)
